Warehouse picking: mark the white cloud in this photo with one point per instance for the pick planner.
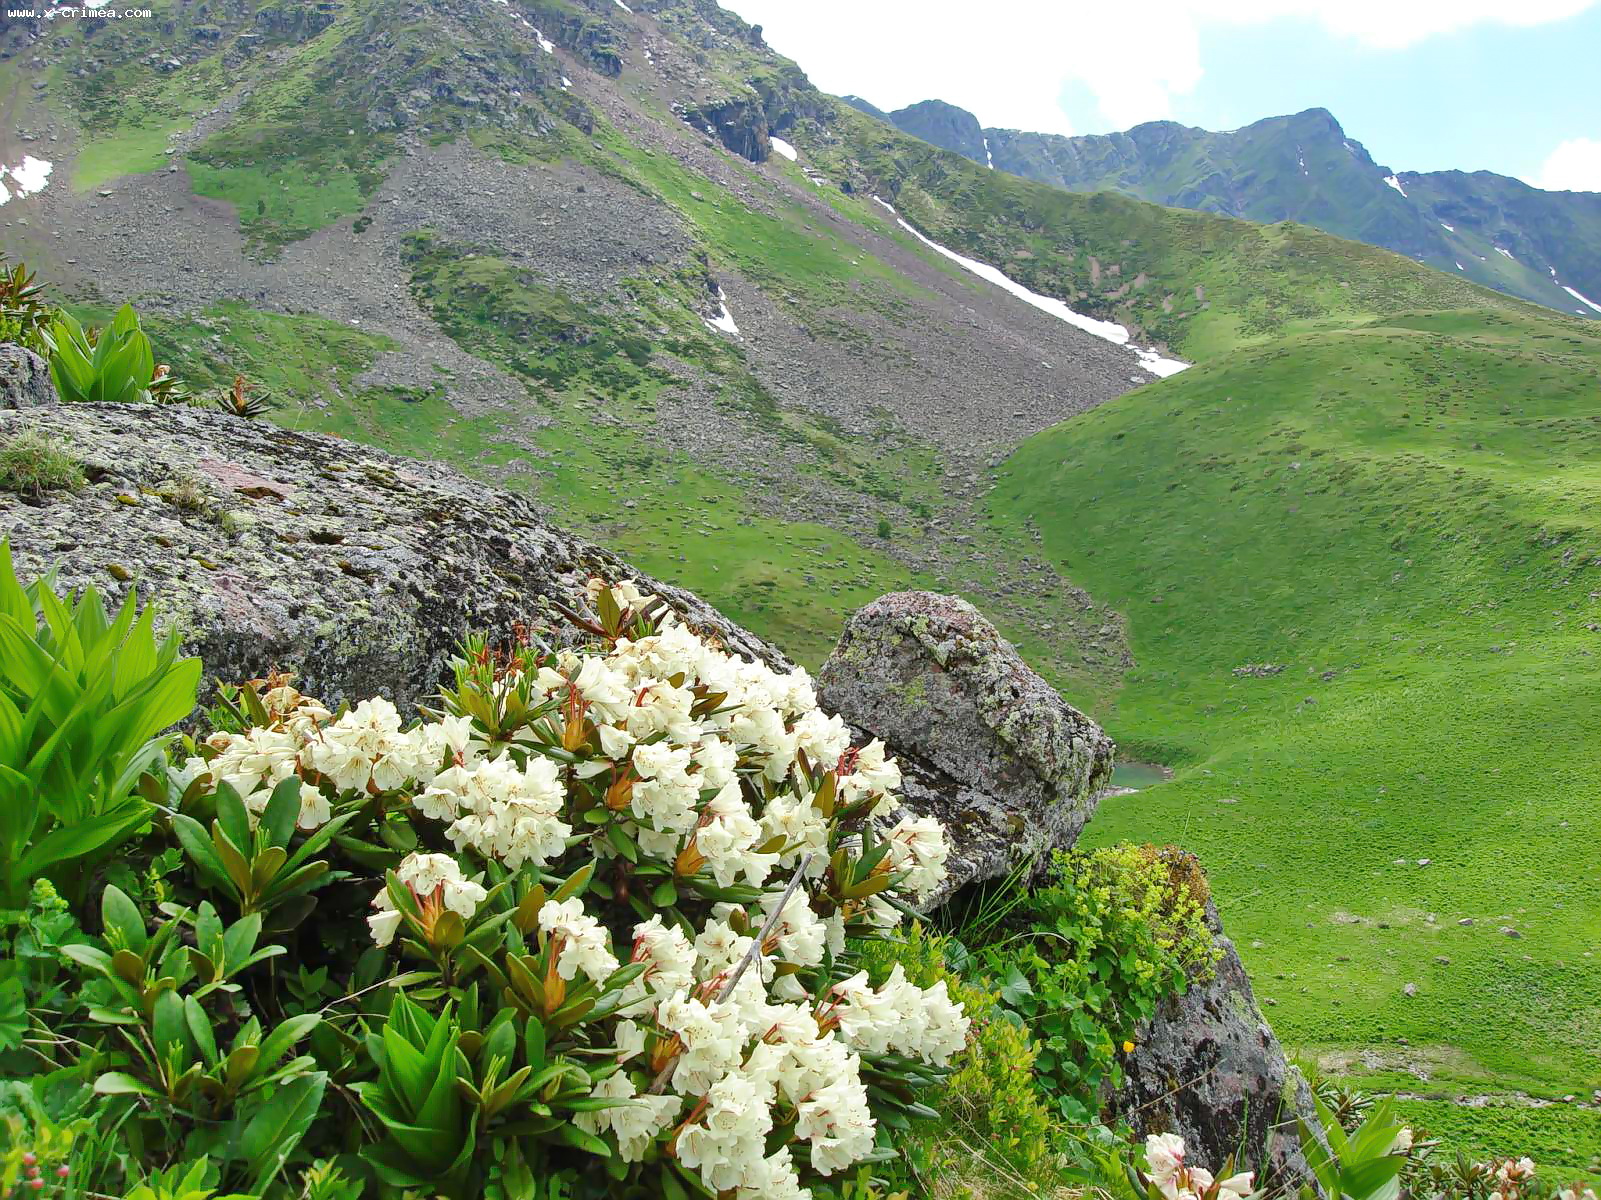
(1574, 166)
(1009, 61)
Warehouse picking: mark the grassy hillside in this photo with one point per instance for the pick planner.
(1361, 572)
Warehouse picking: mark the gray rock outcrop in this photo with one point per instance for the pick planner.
(1208, 1067)
(990, 748)
(357, 570)
(24, 379)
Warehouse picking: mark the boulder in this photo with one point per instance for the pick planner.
(24, 379)
(1208, 1067)
(356, 570)
(988, 747)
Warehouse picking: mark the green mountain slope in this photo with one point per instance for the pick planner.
(1484, 227)
(1361, 573)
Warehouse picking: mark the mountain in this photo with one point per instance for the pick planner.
(1492, 229)
(628, 261)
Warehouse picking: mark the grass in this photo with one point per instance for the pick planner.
(1561, 1135)
(33, 464)
(1403, 517)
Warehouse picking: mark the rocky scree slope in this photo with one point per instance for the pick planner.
(581, 229)
(359, 571)
(1489, 228)
(549, 241)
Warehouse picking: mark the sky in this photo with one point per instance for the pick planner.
(1426, 85)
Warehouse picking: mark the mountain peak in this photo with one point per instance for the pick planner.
(944, 125)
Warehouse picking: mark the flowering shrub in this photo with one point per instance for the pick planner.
(631, 876)
(1084, 960)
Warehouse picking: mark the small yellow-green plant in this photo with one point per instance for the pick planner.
(33, 464)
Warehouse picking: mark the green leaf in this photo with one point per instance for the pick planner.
(13, 1014)
(120, 1083)
(578, 1139)
(576, 882)
(283, 810)
(278, 1126)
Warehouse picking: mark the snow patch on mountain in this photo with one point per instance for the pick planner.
(780, 146)
(27, 177)
(724, 320)
(1579, 298)
(883, 204)
(1447, 228)
(988, 157)
(1149, 358)
(1392, 181)
(1505, 252)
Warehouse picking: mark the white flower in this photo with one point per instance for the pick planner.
(727, 1146)
(635, 1124)
(1164, 1155)
(583, 940)
(798, 936)
(384, 922)
(1236, 1187)
(1403, 1141)
(918, 847)
(836, 1120)
(630, 1040)
(728, 837)
(502, 810)
(797, 821)
(429, 876)
(773, 1179)
(364, 747)
(314, 810)
(823, 738)
(426, 874)
(668, 952)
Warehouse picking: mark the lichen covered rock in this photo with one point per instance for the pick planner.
(356, 570)
(1208, 1067)
(990, 748)
(24, 379)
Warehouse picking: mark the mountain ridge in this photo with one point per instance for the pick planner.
(1493, 229)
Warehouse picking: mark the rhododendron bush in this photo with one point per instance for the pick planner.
(618, 888)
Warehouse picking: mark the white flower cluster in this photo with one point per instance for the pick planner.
(436, 880)
(719, 772)
(364, 749)
(743, 1062)
(1165, 1166)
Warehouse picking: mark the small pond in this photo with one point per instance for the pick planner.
(1139, 776)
